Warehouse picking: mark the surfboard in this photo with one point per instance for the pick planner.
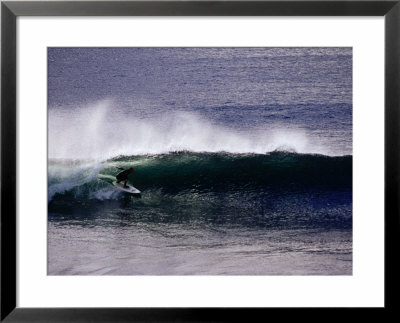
(130, 189)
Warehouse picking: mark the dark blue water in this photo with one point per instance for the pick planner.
(243, 157)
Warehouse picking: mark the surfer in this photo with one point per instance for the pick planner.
(123, 176)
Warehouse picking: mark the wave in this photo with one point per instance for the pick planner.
(203, 172)
(276, 189)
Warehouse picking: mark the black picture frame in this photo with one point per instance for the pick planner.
(10, 10)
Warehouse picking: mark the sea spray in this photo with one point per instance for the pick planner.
(98, 132)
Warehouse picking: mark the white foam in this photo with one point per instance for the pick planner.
(107, 193)
(99, 132)
(63, 177)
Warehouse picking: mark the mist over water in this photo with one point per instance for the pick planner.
(98, 132)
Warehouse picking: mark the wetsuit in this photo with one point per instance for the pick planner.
(122, 176)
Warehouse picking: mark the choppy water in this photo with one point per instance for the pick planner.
(243, 157)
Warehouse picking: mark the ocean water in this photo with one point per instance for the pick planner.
(243, 157)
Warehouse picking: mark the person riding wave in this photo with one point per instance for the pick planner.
(123, 176)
